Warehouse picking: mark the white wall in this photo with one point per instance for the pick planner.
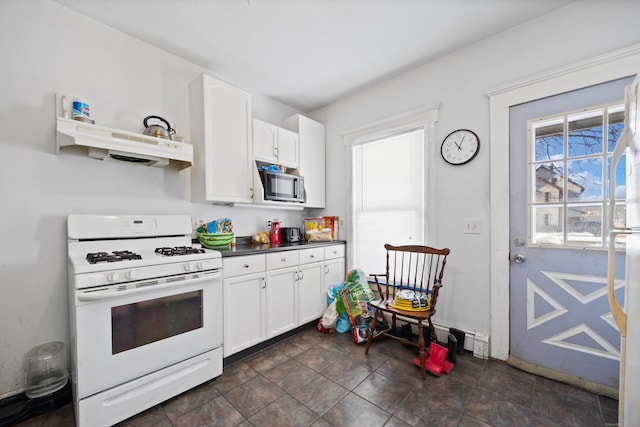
(47, 49)
(581, 30)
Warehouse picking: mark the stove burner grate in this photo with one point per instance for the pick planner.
(179, 250)
(114, 256)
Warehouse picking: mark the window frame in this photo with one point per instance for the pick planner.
(566, 204)
(425, 118)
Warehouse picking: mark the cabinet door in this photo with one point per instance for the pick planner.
(311, 296)
(333, 274)
(228, 151)
(287, 148)
(281, 300)
(244, 312)
(311, 140)
(265, 141)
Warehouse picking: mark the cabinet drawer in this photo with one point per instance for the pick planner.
(282, 259)
(311, 255)
(236, 266)
(335, 251)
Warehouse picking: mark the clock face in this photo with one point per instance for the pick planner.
(460, 147)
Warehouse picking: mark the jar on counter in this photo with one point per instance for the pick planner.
(275, 231)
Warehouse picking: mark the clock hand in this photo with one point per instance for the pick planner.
(459, 145)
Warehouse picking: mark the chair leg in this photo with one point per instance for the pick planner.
(422, 351)
(373, 328)
(432, 331)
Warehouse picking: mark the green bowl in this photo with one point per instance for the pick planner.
(215, 240)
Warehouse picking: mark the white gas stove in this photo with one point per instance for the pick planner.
(146, 313)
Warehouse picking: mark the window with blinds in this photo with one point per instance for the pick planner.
(388, 195)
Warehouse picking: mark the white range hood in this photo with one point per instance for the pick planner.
(115, 145)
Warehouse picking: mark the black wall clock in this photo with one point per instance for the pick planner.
(460, 147)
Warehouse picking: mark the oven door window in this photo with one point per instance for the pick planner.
(137, 324)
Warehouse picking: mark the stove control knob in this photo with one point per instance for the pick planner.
(187, 267)
(200, 265)
(113, 276)
(130, 274)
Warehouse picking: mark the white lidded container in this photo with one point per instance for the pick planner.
(46, 369)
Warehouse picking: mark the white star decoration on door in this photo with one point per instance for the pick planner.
(542, 308)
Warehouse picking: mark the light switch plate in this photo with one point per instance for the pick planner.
(472, 226)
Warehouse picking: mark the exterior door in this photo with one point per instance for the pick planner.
(559, 314)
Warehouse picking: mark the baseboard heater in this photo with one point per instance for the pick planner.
(474, 341)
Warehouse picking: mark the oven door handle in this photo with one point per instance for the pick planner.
(129, 289)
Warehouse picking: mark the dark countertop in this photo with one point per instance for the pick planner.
(245, 247)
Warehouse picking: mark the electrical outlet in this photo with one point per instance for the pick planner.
(340, 223)
(198, 222)
(472, 226)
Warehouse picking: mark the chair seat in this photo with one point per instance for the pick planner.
(383, 305)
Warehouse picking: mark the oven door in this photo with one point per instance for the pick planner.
(126, 331)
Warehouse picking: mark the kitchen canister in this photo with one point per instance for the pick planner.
(46, 369)
(81, 110)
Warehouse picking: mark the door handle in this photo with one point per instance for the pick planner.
(519, 258)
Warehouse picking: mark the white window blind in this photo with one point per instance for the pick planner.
(388, 196)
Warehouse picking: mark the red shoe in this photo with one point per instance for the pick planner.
(435, 361)
(447, 366)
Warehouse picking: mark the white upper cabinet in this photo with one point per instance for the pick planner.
(288, 148)
(274, 144)
(220, 122)
(311, 138)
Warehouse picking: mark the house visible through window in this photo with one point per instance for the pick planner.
(388, 196)
(570, 160)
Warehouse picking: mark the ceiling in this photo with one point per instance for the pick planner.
(309, 53)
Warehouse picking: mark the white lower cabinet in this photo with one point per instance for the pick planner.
(281, 301)
(334, 268)
(310, 285)
(310, 293)
(268, 295)
(244, 295)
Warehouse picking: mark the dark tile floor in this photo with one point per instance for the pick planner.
(315, 379)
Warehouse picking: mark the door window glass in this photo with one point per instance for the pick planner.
(569, 164)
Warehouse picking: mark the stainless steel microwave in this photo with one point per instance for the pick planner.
(282, 187)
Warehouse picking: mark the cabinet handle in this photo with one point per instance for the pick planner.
(246, 266)
(264, 284)
(312, 256)
(326, 270)
(283, 259)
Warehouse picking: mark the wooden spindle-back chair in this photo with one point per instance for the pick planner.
(419, 269)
